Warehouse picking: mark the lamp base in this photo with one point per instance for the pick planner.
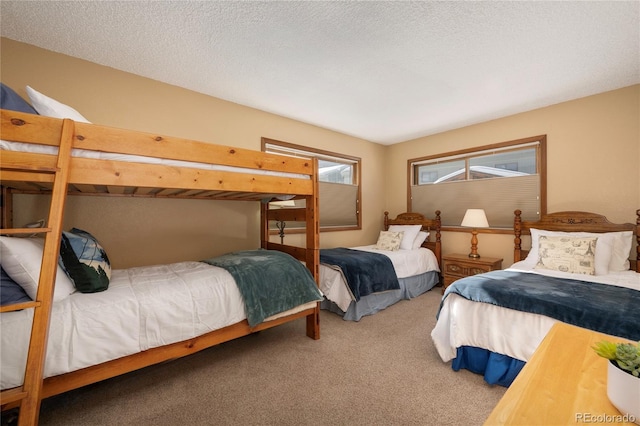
(474, 245)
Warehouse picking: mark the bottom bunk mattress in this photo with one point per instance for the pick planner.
(412, 273)
(143, 308)
(478, 332)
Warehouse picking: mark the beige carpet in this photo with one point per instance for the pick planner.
(382, 370)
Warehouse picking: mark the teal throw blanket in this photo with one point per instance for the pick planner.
(270, 281)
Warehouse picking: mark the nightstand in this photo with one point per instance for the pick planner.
(456, 266)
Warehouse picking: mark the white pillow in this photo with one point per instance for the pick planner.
(420, 238)
(410, 234)
(621, 249)
(21, 259)
(52, 108)
(612, 249)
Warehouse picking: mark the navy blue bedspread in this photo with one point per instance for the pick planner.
(364, 272)
(600, 307)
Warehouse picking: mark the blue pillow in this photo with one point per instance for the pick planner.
(84, 261)
(11, 100)
(10, 291)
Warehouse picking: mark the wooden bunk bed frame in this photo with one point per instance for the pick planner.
(63, 174)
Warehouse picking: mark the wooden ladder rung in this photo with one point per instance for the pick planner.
(19, 306)
(25, 231)
(11, 395)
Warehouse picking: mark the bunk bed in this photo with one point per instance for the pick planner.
(492, 323)
(360, 281)
(61, 157)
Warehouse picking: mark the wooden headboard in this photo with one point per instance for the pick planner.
(433, 242)
(573, 221)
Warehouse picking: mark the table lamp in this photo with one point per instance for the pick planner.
(474, 218)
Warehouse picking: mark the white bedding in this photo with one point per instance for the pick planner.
(407, 263)
(465, 323)
(98, 155)
(143, 308)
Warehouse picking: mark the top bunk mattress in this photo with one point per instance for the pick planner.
(110, 156)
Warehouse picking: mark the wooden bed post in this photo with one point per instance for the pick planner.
(6, 220)
(264, 225)
(517, 229)
(438, 249)
(313, 247)
(637, 268)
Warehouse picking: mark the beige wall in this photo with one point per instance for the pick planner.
(593, 157)
(139, 231)
(593, 148)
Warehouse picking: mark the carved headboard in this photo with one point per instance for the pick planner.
(573, 221)
(433, 242)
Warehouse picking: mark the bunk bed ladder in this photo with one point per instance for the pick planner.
(28, 396)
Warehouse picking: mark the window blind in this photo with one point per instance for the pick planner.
(499, 197)
(338, 206)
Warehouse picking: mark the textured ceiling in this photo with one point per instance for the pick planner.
(385, 71)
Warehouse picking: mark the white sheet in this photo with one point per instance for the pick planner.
(98, 155)
(143, 308)
(465, 323)
(407, 263)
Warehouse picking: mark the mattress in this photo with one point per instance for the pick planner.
(99, 155)
(145, 307)
(465, 323)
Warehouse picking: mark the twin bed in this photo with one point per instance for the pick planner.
(54, 341)
(577, 271)
(360, 281)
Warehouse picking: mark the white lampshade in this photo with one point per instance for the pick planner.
(475, 218)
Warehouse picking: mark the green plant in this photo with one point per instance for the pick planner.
(625, 355)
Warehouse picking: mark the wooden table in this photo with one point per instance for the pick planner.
(564, 382)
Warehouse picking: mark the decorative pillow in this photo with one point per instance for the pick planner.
(21, 259)
(566, 254)
(52, 108)
(12, 101)
(604, 248)
(85, 261)
(421, 238)
(389, 240)
(10, 291)
(410, 234)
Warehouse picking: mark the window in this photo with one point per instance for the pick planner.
(498, 178)
(339, 182)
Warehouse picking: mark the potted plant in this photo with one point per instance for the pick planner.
(623, 376)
